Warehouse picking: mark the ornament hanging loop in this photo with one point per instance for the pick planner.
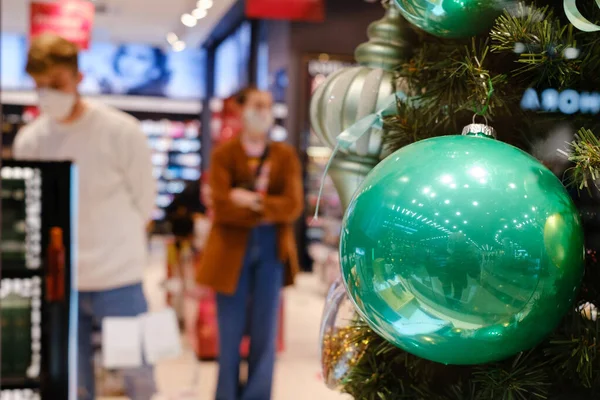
(482, 130)
(474, 122)
(488, 98)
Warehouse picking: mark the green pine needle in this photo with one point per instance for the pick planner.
(387, 372)
(538, 41)
(585, 154)
(525, 378)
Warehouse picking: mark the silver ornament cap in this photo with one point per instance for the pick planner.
(479, 130)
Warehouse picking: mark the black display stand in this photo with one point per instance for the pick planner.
(39, 344)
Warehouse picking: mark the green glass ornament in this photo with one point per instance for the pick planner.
(452, 18)
(462, 249)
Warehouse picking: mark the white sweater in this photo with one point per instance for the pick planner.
(116, 189)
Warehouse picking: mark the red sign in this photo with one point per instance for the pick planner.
(71, 19)
(301, 10)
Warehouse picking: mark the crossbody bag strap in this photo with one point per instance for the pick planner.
(261, 164)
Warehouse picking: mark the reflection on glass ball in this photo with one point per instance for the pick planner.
(462, 250)
(340, 351)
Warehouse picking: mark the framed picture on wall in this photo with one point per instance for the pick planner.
(108, 68)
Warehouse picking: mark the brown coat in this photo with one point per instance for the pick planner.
(224, 252)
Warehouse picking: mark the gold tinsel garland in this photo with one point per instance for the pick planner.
(342, 350)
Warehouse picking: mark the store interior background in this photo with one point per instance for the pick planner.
(223, 52)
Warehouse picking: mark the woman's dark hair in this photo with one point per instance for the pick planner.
(242, 96)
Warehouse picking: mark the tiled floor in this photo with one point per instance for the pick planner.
(298, 370)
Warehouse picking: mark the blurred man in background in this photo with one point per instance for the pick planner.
(251, 252)
(116, 197)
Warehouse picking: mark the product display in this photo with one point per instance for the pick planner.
(175, 156)
(21, 240)
(330, 207)
(14, 117)
(322, 234)
(462, 249)
(37, 315)
(18, 394)
(14, 217)
(452, 19)
(18, 296)
(175, 144)
(326, 261)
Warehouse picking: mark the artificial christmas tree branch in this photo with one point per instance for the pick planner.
(544, 46)
(529, 46)
(567, 362)
(585, 155)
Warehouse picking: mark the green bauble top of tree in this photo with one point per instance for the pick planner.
(451, 18)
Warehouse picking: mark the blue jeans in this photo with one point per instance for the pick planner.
(128, 301)
(255, 305)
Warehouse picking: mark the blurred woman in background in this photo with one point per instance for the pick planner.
(256, 190)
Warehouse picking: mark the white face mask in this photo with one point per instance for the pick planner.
(257, 121)
(56, 104)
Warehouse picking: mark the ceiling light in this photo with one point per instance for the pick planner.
(206, 4)
(199, 13)
(179, 45)
(172, 38)
(188, 20)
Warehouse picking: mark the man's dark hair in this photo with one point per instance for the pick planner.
(242, 95)
(49, 50)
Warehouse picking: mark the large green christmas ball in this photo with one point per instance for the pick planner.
(462, 250)
(452, 18)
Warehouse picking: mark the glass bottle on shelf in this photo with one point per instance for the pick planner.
(55, 279)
